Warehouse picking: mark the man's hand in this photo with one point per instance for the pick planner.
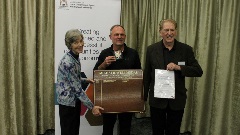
(171, 66)
(108, 61)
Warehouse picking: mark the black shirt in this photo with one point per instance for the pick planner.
(168, 55)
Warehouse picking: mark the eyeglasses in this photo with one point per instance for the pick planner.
(169, 30)
(117, 35)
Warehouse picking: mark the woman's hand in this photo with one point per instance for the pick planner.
(96, 110)
(89, 81)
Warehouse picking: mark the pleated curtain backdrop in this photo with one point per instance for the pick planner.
(27, 67)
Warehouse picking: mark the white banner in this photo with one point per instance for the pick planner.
(94, 19)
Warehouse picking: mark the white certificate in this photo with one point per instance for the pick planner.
(164, 84)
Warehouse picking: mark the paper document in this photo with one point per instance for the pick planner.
(164, 86)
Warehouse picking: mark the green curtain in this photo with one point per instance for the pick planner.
(212, 28)
(27, 67)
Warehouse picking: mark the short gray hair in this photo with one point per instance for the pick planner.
(72, 36)
(167, 20)
(117, 25)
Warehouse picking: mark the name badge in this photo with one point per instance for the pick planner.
(181, 63)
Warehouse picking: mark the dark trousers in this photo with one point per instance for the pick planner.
(70, 119)
(109, 120)
(166, 121)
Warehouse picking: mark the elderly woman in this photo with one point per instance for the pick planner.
(69, 91)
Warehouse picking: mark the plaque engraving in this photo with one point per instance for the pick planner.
(119, 90)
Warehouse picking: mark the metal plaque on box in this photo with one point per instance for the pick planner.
(119, 90)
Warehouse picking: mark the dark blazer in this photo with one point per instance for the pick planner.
(155, 60)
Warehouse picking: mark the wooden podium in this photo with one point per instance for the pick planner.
(119, 90)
